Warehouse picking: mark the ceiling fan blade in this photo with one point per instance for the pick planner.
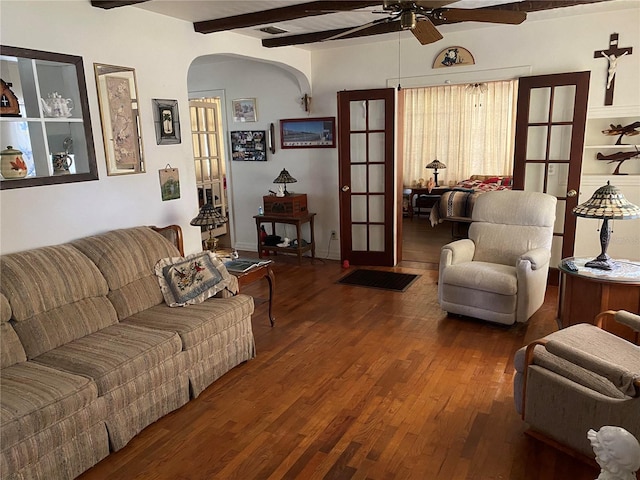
(349, 31)
(281, 14)
(377, 29)
(453, 15)
(426, 32)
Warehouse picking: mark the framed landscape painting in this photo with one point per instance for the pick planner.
(308, 132)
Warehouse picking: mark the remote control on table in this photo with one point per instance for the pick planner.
(569, 265)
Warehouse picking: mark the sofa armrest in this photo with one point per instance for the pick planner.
(624, 376)
(173, 233)
(457, 252)
(538, 258)
(629, 319)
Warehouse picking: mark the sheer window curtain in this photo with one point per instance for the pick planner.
(469, 128)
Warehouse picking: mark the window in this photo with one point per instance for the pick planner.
(469, 128)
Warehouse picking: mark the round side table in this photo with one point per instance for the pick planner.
(585, 293)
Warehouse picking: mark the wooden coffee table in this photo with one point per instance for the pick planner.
(256, 273)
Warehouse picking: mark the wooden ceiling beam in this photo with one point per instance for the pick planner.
(281, 14)
(321, 36)
(523, 6)
(109, 4)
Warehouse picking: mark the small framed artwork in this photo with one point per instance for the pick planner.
(244, 110)
(169, 183)
(167, 121)
(308, 132)
(249, 146)
(453, 57)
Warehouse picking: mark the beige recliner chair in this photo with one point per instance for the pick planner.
(500, 272)
(579, 378)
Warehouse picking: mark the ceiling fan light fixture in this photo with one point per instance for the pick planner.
(407, 20)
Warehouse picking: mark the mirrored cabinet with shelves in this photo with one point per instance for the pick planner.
(44, 119)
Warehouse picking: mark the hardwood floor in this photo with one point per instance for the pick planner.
(355, 383)
(421, 242)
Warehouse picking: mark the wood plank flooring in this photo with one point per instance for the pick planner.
(355, 383)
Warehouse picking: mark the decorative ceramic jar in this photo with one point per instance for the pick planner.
(12, 165)
(61, 163)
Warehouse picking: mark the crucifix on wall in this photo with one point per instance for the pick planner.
(612, 54)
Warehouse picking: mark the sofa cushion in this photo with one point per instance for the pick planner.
(196, 323)
(34, 397)
(39, 280)
(115, 355)
(127, 258)
(5, 309)
(59, 326)
(191, 279)
(56, 295)
(11, 351)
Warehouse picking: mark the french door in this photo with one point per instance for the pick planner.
(208, 156)
(366, 173)
(550, 128)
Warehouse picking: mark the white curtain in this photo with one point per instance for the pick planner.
(469, 128)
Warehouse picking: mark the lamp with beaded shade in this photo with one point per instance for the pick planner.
(210, 218)
(436, 164)
(607, 203)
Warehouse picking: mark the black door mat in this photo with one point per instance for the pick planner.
(397, 282)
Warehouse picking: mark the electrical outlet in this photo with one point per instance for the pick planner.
(334, 235)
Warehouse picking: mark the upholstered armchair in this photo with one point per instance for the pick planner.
(500, 272)
(579, 378)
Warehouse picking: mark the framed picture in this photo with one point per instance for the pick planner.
(249, 146)
(167, 121)
(453, 57)
(169, 183)
(244, 110)
(119, 112)
(308, 132)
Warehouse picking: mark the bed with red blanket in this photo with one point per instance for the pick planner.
(457, 204)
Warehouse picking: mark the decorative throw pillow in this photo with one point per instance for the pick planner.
(492, 180)
(191, 279)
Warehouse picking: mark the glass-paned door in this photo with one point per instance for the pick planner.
(550, 128)
(208, 157)
(365, 120)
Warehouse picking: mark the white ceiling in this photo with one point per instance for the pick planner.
(201, 10)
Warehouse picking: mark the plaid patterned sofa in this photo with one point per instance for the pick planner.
(91, 354)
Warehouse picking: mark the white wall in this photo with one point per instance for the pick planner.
(554, 45)
(161, 50)
(278, 97)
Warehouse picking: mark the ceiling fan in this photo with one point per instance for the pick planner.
(418, 16)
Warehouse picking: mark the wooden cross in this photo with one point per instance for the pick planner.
(613, 53)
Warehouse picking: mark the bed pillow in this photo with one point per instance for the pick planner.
(191, 279)
(492, 180)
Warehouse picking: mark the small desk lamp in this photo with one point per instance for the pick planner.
(285, 177)
(436, 164)
(209, 217)
(607, 203)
